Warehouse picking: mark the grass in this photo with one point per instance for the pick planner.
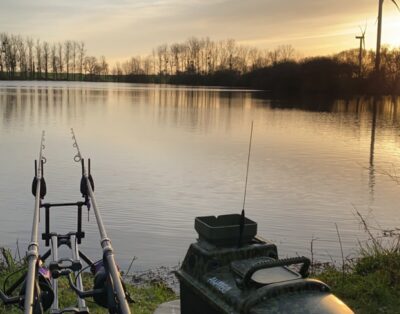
(370, 283)
(146, 298)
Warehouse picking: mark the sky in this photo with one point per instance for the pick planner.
(119, 29)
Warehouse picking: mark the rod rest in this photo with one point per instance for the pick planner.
(57, 267)
(79, 233)
(49, 205)
(63, 239)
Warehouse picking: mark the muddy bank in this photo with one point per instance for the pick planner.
(161, 274)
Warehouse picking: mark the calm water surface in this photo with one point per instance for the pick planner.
(163, 155)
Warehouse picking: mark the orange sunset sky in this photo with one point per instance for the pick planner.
(119, 29)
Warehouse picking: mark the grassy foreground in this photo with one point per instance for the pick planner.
(368, 284)
(146, 298)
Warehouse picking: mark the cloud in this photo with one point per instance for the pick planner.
(121, 28)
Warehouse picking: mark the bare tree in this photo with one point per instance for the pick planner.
(92, 67)
(194, 53)
(103, 67)
(9, 54)
(253, 58)
(274, 56)
(117, 71)
(3, 43)
(286, 53)
(29, 43)
(60, 59)
(67, 55)
(147, 65)
(153, 54)
(38, 49)
(22, 60)
(46, 57)
(54, 60)
(74, 57)
(81, 57)
(175, 52)
(162, 59)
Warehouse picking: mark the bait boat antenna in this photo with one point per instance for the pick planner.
(242, 216)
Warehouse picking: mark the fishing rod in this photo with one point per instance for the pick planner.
(31, 289)
(87, 187)
(39, 190)
(36, 290)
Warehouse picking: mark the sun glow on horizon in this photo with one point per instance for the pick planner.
(116, 29)
(391, 30)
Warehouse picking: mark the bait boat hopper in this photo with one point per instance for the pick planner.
(225, 229)
(228, 271)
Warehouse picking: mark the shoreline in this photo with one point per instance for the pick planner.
(246, 87)
(368, 284)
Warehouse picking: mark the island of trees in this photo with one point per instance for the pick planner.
(201, 61)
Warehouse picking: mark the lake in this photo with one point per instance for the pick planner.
(162, 155)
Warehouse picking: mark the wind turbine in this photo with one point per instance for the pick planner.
(362, 47)
(378, 41)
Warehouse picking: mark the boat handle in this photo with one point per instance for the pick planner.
(245, 281)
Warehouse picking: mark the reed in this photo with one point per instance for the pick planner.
(369, 283)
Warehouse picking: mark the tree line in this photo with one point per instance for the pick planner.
(281, 70)
(30, 59)
(203, 56)
(201, 61)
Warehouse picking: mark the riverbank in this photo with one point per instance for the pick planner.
(292, 78)
(368, 284)
(147, 291)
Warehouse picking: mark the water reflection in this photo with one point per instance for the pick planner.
(163, 155)
(192, 108)
(365, 110)
(386, 107)
(372, 147)
(195, 105)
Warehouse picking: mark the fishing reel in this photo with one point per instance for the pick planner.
(103, 292)
(43, 291)
(102, 281)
